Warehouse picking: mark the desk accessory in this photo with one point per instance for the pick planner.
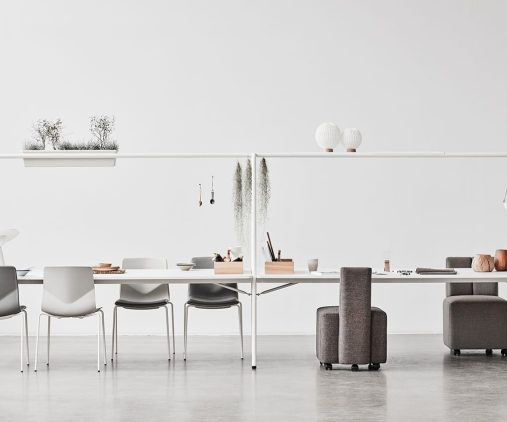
(234, 267)
(107, 268)
(435, 271)
(279, 267)
(313, 265)
(501, 260)
(483, 263)
(387, 266)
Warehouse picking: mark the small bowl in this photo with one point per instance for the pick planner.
(22, 273)
(185, 266)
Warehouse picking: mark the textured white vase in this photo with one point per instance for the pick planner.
(352, 139)
(328, 135)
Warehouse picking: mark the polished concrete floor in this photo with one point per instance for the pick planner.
(420, 382)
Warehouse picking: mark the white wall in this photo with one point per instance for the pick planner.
(258, 76)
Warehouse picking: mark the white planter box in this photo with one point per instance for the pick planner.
(78, 158)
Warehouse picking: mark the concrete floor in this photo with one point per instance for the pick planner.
(420, 382)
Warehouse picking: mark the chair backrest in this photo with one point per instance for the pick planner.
(459, 289)
(9, 293)
(354, 339)
(209, 292)
(68, 291)
(144, 293)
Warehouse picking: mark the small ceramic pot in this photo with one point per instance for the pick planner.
(313, 265)
(483, 263)
(501, 260)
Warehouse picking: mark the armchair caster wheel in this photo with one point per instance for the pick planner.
(354, 368)
(489, 352)
(328, 366)
(456, 352)
(373, 366)
(504, 352)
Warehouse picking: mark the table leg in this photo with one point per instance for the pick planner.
(254, 322)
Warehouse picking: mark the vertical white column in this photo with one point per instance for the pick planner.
(253, 260)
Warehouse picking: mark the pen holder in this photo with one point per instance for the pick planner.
(228, 267)
(279, 267)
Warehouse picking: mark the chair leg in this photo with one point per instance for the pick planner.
(98, 342)
(185, 329)
(22, 341)
(26, 340)
(113, 334)
(172, 323)
(37, 344)
(116, 330)
(240, 315)
(103, 337)
(167, 331)
(49, 337)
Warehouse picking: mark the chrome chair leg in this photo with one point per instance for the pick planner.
(167, 332)
(26, 339)
(113, 334)
(49, 337)
(98, 342)
(37, 344)
(21, 338)
(103, 337)
(172, 322)
(240, 315)
(185, 329)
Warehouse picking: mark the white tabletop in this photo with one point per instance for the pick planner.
(177, 276)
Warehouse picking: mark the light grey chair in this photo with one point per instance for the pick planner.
(144, 297)
(353, 333)
(69, 292)
(211, 296)
(10, 307)
(474, 316)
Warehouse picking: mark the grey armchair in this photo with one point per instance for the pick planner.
(211, 296)
(474, 316)
(10, 307)
(353, 333)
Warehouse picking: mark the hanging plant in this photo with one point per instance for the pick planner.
(237, 196)
(264, 190)
(247, 198)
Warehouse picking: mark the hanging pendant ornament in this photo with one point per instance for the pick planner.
(200, 195)
(212, 200)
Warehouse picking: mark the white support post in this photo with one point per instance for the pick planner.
(253, 259)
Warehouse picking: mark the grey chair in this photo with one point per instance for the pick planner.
(144, 297)
(10, 307)
(69, 292)
(353, 333)
(474, 316)
(211, 296)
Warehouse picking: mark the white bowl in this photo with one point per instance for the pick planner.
(185, 266)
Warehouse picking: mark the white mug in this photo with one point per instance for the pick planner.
(313, 264)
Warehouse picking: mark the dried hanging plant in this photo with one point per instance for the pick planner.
(247, 199)
(264, 189)
(237, 195)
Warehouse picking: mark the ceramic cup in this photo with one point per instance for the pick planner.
(313, 264)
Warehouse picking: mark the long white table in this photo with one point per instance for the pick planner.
(175, 276)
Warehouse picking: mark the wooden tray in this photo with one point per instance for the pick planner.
(105, 271)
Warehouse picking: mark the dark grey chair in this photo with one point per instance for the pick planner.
(10, 307)
(211, 296)
(353, 333)
(474, 316)
(144, 297)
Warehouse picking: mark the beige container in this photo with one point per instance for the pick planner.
(228, 267)
(279, 267)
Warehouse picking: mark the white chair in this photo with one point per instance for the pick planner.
(143, 297)
(69, 292)
(9, 305)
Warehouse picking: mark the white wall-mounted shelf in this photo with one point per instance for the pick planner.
(69, 158)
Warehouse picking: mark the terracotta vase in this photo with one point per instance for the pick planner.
(483, 263)
(501, 260)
